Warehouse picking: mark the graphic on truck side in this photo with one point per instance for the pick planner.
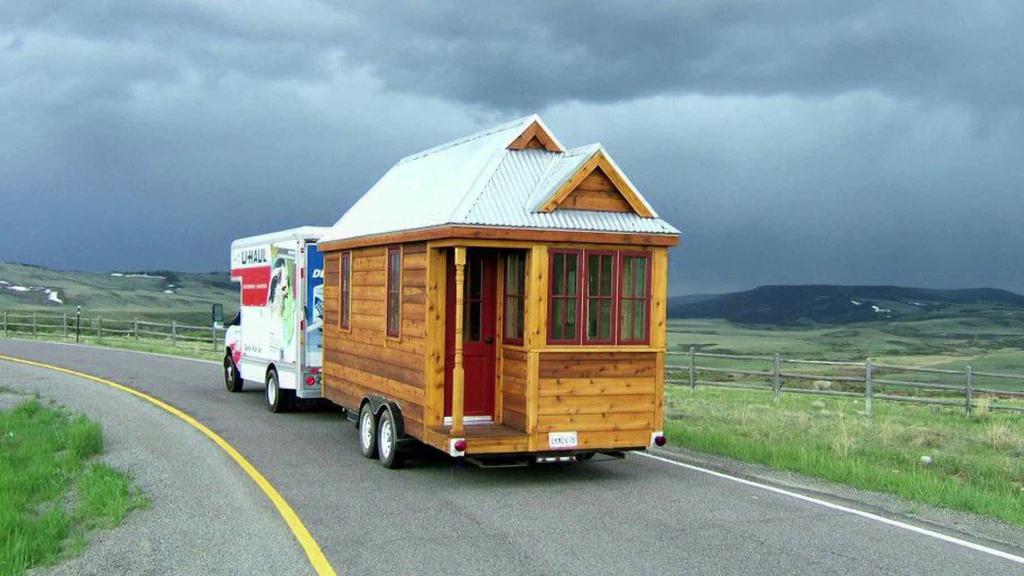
(269, 295)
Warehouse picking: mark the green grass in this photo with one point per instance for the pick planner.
(120, 297)
(54, 492)
(977, 463)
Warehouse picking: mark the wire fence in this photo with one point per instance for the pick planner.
(74, 327)
(870, 380)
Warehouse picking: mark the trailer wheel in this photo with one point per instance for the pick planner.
(232, 379)
(387, 441)
(278, 400)
(367, 431)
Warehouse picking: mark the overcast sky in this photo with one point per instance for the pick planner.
(799, 142)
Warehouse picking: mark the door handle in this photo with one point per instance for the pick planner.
(489, 340)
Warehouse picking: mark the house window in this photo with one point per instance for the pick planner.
(612, 291)
(634, 297)
(563, 320)
(515, 290)
(346, 290)
(394, 305)
(600, 297)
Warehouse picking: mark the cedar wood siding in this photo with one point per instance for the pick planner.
(513, 388)
(609, 398)
(362, 360)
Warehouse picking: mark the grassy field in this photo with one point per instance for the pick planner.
(977, 463)
(54, 492)
(990, 339)
(158, 296)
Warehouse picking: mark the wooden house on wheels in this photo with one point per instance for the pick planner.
(499, 295)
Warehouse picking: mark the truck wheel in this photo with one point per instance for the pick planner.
(367, 431)
(232, 379)
(278, 400)
(387, 441)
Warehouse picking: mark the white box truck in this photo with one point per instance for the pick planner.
(277, 337)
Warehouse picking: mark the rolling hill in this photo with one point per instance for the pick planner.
(153, 294)
(828, 304)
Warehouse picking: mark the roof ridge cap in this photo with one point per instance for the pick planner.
(526, 120)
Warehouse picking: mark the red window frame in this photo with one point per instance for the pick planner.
(393, 295)
(520, 284)
(621, 298)
(588, 298)
(576, 298)
(345, 307)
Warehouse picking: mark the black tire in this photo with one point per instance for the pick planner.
(387, 441)
(277, 400)
(367, 431)
(232, 379)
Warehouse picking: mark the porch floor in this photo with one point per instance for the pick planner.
(487, 438)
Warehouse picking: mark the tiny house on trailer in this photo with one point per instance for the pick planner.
(499, 295)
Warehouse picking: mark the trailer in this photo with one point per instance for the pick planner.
(277, 337)
(499, 296)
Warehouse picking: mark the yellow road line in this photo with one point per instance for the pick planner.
(309, 545)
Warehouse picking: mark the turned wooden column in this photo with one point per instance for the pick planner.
(458, 373)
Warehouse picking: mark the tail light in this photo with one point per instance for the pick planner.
(460, 445)
(660, 440)
(310, 381)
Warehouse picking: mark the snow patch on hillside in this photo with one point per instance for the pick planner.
(51, 295)
(123, 275)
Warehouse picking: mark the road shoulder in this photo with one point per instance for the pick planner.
(205, 516)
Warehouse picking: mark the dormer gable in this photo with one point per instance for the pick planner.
(597, 185)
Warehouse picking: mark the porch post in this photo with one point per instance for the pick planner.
(458, 374)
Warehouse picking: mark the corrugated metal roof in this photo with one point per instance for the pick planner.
(476, 180)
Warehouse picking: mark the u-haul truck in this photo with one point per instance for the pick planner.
(277, 338)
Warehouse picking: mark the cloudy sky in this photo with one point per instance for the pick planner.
(795, 142)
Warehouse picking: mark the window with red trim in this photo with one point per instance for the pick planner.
(515, 293)
(346, 290)
(394, 305)
(634, 297)
(564, 298)
(600, 297)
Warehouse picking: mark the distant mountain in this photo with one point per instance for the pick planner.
(128, 293)
(826, 304)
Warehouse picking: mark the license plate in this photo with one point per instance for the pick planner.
(562, 440)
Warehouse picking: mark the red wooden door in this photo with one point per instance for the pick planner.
(478, 325)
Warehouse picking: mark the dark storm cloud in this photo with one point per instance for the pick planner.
(795, 142)
(524, 55)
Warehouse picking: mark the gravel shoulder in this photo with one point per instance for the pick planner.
(205, 515)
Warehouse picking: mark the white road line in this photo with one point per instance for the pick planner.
(116, 349)
(841, 508)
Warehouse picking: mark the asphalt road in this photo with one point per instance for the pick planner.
(637, 516)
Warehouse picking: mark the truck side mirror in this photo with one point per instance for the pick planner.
(217, 313)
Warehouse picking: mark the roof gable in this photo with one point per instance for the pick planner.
(597, 184)
(536, 135)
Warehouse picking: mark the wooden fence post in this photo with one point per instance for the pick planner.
(969, 391)
(777, 384)
(213, 337)
(869, 388)
(135, 329)
(99, 327)
(693, 368)
(174, 333)
(33, 324)
(5, 322)
(64, 334)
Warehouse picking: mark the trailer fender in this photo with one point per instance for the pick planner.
(379, 405)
